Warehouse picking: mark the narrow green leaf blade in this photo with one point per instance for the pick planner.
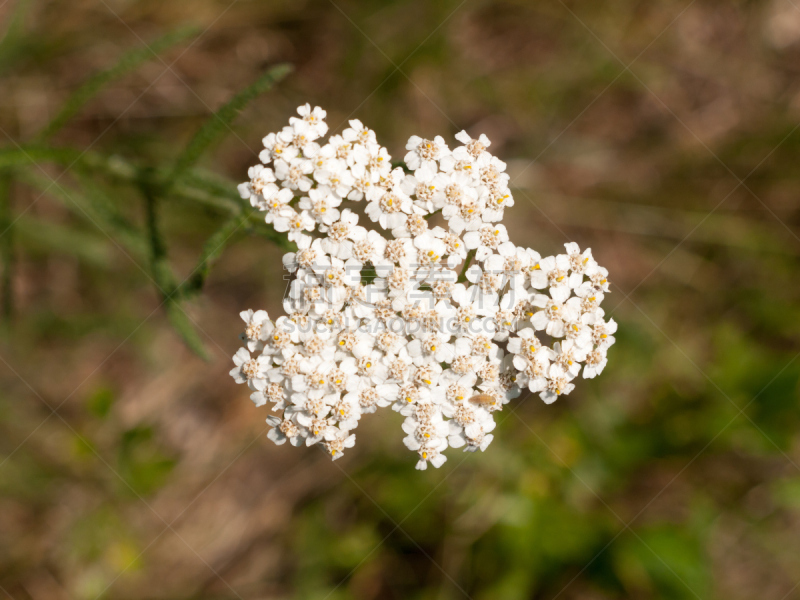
(13, 43)
(166, 283)
(212, 250)
(185, 328)
(92, 208)
(129, 62)
(38, 236)
(33, 155)
(219, 123)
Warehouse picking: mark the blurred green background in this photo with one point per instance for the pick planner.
(662, 134)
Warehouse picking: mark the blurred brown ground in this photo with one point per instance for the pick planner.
(154, 478)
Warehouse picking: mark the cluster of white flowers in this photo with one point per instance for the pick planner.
(445, 324)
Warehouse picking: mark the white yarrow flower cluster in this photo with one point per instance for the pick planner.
(445, 325)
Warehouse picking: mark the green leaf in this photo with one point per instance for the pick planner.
(100, 402)
(33, 155)
(42, 237)
(13, 43)
(212, 250)
(666, 558)
(197, 186)
(101, 212)
(786, 492)
(92, 207)
(142, 463)
(185, 328)
(129, 62)
(219, 123)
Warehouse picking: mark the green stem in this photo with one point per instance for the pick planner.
(158, 249)
(462, 277)
(164, 279)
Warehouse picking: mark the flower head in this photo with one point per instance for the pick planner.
(445, 324)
